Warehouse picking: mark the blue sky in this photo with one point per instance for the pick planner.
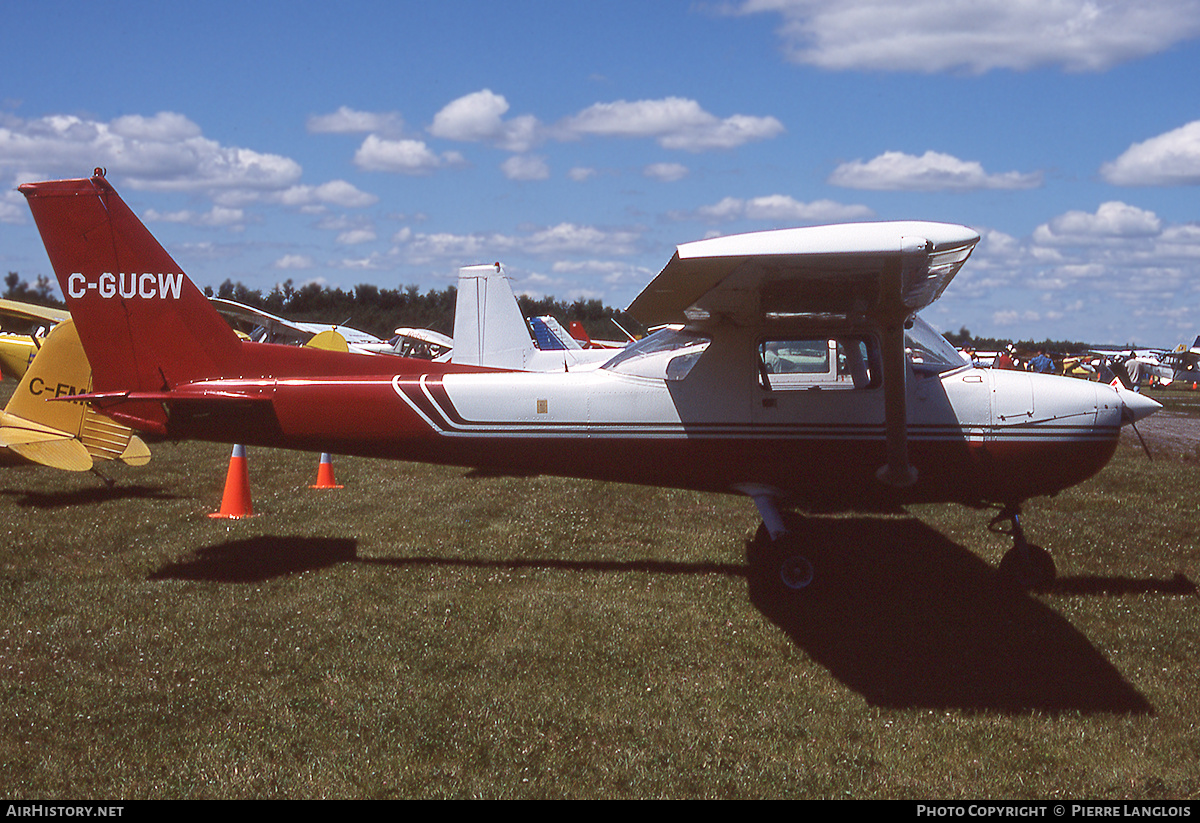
(578, 143)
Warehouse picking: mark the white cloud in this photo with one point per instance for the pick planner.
(472, 117)
(334, 193)
(932, 171)
(977, 36)
(478, 117)
(164, 126)
(778, 208)
(666, 172)
(350, 121)
(550, 241)
(13, 208)
(1112, 221)
(610, 272)
(217, 216)
(1171, 159)
(352, 237)
(525, 167)
(164, 152)
(294, 261)
(674, 122)
(372, 262)
(581, 173)
(403, 156)
(570, 238)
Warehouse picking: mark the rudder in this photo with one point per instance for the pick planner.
(144, 324)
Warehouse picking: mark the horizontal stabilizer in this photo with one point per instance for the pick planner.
(44, 445)
(66, 455)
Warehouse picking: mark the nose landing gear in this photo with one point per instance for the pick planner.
(1024, 565)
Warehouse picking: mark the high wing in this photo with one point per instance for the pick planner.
(869, 275)
(61, 433)
(30, 311)
(21, 326)
(851, 271)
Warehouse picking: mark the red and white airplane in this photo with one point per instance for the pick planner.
(793, 369)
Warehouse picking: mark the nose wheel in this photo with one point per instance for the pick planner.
(1025, 565)
(795, 571)
(779, 558)
(776, 540)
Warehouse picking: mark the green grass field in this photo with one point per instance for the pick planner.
(426, 633)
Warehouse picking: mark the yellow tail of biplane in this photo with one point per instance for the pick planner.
(66, 434)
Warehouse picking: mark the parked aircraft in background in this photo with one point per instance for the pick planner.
(487, 318)
(489, 329)
(425, 344)
(876, 410)
(41, 427)
(585, 340)
(1150, 366)
(22, 328)
(1184, 362)
(269, 328)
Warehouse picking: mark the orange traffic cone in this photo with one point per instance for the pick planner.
(325, 474)
(235, 503)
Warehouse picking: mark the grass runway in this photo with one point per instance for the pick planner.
(428, 633)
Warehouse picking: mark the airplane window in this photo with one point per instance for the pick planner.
(819, 363)
(929, 352)
(668, 354)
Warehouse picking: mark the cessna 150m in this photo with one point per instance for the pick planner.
(794, 371)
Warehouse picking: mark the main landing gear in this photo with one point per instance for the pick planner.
(1024, 565)
(782, 535)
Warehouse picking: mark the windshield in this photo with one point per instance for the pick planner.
(929, 352)
(668, 354)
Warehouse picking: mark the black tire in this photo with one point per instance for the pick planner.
(779, 560)
(1031, 570)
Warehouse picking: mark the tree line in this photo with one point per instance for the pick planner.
(366, 307)
(43, 293)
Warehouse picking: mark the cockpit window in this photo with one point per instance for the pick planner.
(928, 351)
(668, 354)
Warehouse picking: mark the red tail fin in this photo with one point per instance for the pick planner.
(579, 333)
(143, 324)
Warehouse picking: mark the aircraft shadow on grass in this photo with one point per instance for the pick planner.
(260, 558)
(87, 497)
(898, 613)
(909, 619)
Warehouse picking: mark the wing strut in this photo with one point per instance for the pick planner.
(894, 315)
